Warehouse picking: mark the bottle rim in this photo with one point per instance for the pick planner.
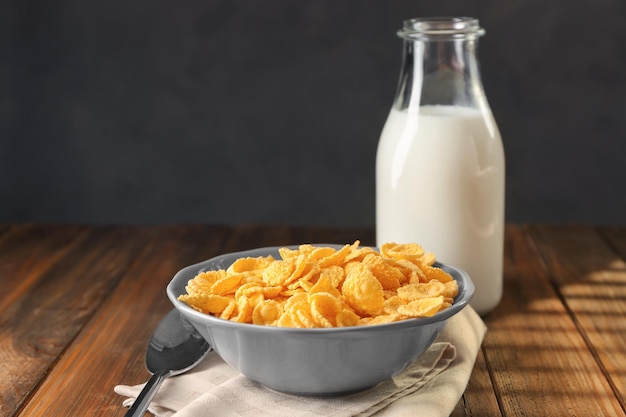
(441, 27)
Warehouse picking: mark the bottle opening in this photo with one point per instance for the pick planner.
(430, 27)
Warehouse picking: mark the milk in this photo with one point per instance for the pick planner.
(440, 183)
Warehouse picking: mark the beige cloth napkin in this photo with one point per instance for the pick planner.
(431, 386)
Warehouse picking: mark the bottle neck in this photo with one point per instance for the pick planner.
(440, 71)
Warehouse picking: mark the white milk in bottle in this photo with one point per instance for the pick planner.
(440, 172)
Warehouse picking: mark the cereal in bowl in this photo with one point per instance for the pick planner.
(321, 286)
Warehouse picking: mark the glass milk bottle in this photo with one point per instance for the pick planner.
(440, 161)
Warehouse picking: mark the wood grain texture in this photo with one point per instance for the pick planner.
(479, 399)
(78, 305)
(111, 347)
(26, 252)
(55, 291)
(590, 276)
(539, 362)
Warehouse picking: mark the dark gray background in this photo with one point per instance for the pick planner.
(269, 111)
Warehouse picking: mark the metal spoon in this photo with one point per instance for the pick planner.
(175, 347)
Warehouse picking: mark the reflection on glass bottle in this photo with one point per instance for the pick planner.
(440, 162)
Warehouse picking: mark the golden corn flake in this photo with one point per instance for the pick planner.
(410, 251)
(325, 307)
(209, 303)
(420, 290)
(347, 318)
(267, 311)
(362, 290)
(278, 272)
(423, 307)
(318, 286)
(389, 276)
(227, 284)
(250, 264)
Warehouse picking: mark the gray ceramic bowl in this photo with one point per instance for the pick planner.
(316, 362)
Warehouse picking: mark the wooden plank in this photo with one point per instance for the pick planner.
(591, 278)
(119, 332)
(4, 228)
(479, 398)
(27, 251)
(44, 316)
(616, 238)
(538, 361)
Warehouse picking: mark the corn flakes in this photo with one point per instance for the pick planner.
(319, 286)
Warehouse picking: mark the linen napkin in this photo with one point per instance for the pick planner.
(430, 387)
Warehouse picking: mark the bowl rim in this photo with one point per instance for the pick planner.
(180, 279)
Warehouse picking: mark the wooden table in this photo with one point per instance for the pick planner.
(79, 303)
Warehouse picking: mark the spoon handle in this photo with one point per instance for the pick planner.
(148, 392)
